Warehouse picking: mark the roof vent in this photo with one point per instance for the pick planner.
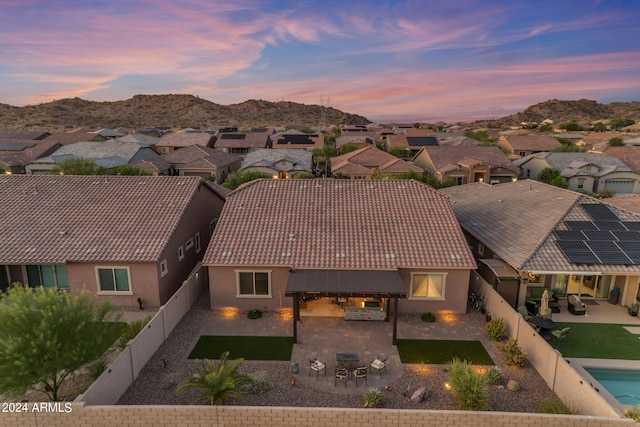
(455, 256)
(90, 250)
(286, 254)
(62, 233)
(340, 255)
(227, 253)
(292, 237)
(390, 256)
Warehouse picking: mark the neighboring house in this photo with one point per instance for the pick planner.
(565, 241)
(197, 160)
(242, 143)
(411, 141)
(584, 172)
(108, 133)
(524, 145)
(630, 203)
(627, 154)
(463, 165)
(368, 162)
(23, 135)
(123, 238)
(454, 139)
(156, 167)
(75, 135)
(16, 154)
(357, 140)
(296, 139)
(172, 141)
(282, 164)
(279, 242)
(598, 138)
(109, 154)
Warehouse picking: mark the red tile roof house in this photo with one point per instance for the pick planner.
(550, 237)
(119, 237)
(280, 241)
(16, 154)
(169, 142)
(463, 165)
(368, 162)
(197, 160)
(242, 143)
(523, 145)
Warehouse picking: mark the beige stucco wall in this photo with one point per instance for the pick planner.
(456, 290)
(621, 176)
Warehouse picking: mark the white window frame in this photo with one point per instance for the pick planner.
(197, 240)
(188, 244)
(180, 253)
(113, 267)
(428, 273)
(269, 284)
(164, 268)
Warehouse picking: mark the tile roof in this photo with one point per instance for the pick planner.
(627, 154)
(342, 224)
(58, 219)
(567, 163)
(301, 159)
(371, 157)
(193, 153)
(443, 157)
(109, 153)
(630, 203)
(532, 142)
(242, 140)
(516, 221)
(185, 139)
(23, 152)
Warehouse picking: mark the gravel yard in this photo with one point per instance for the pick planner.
(168, 367)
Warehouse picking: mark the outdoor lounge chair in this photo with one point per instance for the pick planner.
(560, 334)
(380, 364)
(524, 312)
(341, 374)
(546, 314)
(575, 306)
(316, 366)
(360, 373)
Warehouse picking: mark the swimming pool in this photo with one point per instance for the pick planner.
(622, 384)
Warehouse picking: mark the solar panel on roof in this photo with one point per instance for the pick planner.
(598, 235)
(233, 136)
(629, 246)
(603, 246)
(15, 146)
(631, 225)
(569, 234)
(581, 225)
(609, 225)
(629, 236)
(634, 257)
(422, 141)
(571, 245)
(600, 212)
(580, 257)
(613, 258)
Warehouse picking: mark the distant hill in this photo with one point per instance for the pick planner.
(167, 110)
(583, 110)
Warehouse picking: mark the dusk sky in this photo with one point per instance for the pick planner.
(406, 61)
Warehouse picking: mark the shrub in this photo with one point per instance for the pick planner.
(555, 406)
(496, 329)
(97, 367)
(514, 354)
(373, 398)
(261, 382)
(494, 375)
(468, 386)
(428, 317)
(131, 330)
(633, 412)
(254, 314)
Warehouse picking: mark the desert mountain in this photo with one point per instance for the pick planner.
(168, 110)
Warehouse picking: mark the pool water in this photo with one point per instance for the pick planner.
(623, 384)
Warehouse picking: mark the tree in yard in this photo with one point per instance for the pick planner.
(546, 127)
(237, 178)
(347, 148)
(400, 152)
(76, 166)
(616, 142)
(600, 127)
(571, 126)
(217, 382)
(46, 336)
(620, 123)
(552, 176)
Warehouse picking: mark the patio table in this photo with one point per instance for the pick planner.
(545, 326)
(350, 361)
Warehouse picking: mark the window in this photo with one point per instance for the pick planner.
(212, 226)
(528, 173)
(198, 247)
(480, 248)
(49, 276)
(581, 183)
(164, 150)
(180, 253)
(254, 283)
(189, 244)
(163, 268)
(428, 286)
(459, 180)
(114, 279)
(522, 153)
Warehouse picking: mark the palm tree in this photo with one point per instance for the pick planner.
(217, 381)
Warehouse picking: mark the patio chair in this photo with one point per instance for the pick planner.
(360, 373)
(560, 334)
(575, 306)
(524, 312)
(316, 366)
(380, 364)
(341, 374)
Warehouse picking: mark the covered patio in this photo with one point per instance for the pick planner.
(383, 287)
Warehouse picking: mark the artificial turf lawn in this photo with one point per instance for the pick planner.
(248, 348)
(438, 352)
(598, 341)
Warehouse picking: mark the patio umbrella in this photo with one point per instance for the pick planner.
(544, 302)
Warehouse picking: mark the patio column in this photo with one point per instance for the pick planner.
(395, 320)
(296, 316)
(386, 310)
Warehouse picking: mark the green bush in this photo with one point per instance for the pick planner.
(97, 367)
(633, 412)
(468, 386)
(261, 382)
(254, 314)
(496, 329)
(555, 406)
(494, 375)
(428, 317)
(373, 398)
(514, 354)
(131, 330)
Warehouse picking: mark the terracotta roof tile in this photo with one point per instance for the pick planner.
(346, 224)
